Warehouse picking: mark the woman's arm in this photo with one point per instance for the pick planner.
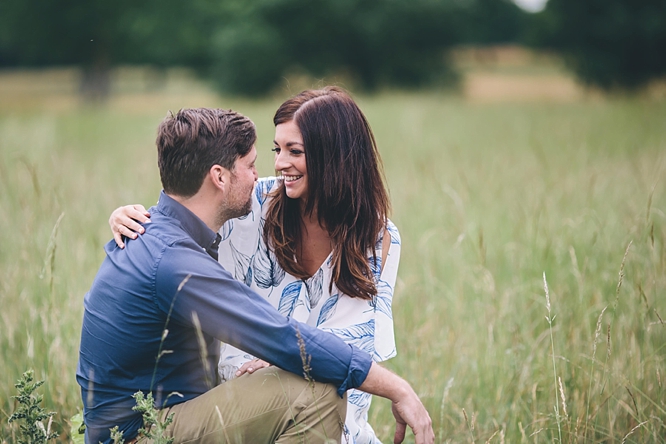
(124, 221)
(406, 405)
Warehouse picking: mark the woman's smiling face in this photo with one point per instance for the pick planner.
(290, 159)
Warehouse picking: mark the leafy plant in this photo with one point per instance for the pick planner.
(153, 427)
(78, 429)
(117, 436)
(29, 414)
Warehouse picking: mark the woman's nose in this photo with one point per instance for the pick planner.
(280, 161)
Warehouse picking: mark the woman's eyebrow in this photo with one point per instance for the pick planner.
(288, 144)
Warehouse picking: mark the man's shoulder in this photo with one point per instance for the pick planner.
(164, 229)
(177, 248)
(163, 234)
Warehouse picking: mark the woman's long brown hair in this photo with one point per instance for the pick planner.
(345, 189)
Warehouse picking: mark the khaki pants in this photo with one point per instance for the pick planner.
(268, 406)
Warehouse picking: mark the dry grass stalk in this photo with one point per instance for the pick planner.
(658, 377)
(523, 436)
(597, 333)
(608, 343)
(203, 350)
(564, 400)
(633, 430)
(617, 297)
(224, 428)
(578, 421)
(550, 320)
(470, 425)
(633, 400)
(445, 396)
(492, 436)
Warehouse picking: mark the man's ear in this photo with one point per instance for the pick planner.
(220, 177)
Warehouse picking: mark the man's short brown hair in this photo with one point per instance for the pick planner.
(190, 142)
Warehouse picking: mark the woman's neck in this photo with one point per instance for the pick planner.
(314, 245)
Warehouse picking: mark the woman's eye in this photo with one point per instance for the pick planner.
(276, 150)
(296, 152)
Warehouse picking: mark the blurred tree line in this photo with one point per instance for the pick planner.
(607, 43)
(246, 46)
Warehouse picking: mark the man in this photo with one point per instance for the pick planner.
(157, 310)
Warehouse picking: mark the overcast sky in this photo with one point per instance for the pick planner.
(531, 5)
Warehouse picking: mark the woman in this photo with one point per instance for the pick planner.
(317, 243)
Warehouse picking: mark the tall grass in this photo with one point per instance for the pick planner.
(488, 198)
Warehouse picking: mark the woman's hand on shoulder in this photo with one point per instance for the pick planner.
(125, 221)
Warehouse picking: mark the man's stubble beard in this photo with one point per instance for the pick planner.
(233, 212)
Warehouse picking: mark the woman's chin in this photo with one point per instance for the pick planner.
(294, 191)
(293, 195)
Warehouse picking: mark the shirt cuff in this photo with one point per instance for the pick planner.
(359, 366)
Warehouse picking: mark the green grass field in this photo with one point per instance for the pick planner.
(488, 198)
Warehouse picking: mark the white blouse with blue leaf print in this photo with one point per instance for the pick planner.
(368, 324)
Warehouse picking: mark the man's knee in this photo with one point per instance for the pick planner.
(320, 414)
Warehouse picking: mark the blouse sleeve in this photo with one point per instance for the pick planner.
(384, 334)
(367, 324)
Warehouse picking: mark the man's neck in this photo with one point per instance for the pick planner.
(202, 207)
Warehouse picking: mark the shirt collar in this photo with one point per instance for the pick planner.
(195, 227)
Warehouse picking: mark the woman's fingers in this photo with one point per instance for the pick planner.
(121, 230)
(131, 215)
(251, 366)
(126, 221)
(140, 208)
(119, 239)
(128, 226)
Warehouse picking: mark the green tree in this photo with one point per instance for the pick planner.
(484, 22)
(608, 43)
(377, 41)
(99, 34)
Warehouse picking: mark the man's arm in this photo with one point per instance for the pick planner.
(407, 407)
(189, 281)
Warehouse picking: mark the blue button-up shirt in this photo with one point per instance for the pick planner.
(151, 302)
